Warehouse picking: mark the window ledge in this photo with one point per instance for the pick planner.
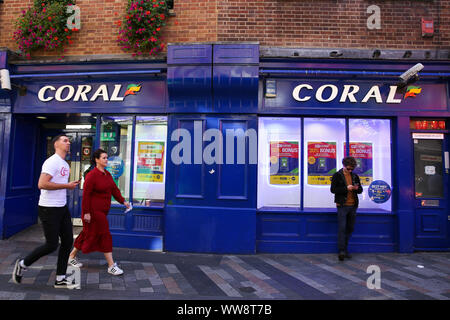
(362, 211)
(152, 206)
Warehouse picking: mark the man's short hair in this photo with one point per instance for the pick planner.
(349, 161)
(57, 138)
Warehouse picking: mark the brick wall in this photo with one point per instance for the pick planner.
(282, 23)
(328, 23)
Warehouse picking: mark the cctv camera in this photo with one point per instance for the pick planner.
(5, 81)
(410, 73)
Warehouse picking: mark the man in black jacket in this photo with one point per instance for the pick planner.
(346, 186)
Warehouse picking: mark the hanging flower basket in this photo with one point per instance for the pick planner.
(140, 29)
(44, 26)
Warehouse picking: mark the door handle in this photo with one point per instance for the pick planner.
(446, 161)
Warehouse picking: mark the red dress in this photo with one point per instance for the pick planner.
(98, 189)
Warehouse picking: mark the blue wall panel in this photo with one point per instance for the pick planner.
(235, 89)
(210, 229)
(189, 78)
(317, 233)
(21, 212)
(139, 228)
(404, 167)
(235, 78)
(189, 88)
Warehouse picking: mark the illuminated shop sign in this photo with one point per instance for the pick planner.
(120, 95)
(85, 92)
(353, 94)
(348, 93)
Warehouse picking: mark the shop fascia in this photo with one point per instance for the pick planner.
(303, 92)
(80, 93)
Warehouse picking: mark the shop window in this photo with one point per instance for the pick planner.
(150, 160)
(115, 139)
(278, 164)
(370, 144)
(324, 144)
(322, 158)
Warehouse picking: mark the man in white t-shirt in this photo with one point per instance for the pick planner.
(54, 214)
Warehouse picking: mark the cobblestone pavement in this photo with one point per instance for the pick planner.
(185, 276)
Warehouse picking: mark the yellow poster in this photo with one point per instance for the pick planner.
(150, 161)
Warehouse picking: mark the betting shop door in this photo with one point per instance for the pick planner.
(79, 161)
(431, 175)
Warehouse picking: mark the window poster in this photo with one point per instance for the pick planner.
(150, 164)
(362, 152)
(284, 162)
(321, 162)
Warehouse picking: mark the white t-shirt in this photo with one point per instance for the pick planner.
(59, 169)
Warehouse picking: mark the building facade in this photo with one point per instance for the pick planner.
(226, 141)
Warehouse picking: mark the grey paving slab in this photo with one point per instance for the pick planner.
(175, 276)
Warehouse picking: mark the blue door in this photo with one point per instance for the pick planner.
(19, 180)
(431, 167)
(211, 184)
(4, 137)
(79, 162)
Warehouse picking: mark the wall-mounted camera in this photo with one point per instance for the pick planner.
(410, 76)
(5, 80)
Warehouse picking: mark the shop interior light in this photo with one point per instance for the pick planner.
(78, 126)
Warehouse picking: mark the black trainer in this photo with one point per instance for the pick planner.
(65, 284)
(341, 255)
(18, 272)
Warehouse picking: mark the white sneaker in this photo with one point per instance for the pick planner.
(75, 263)
(65, 284)
(115, 270)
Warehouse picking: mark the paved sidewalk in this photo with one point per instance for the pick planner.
(185, 276)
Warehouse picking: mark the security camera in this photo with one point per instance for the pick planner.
(5, 81)
(411, 73)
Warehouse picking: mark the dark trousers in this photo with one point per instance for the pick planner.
(346, 224)
(57, 224)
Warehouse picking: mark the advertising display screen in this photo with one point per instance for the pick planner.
(321, 162)
(370, 144)
(321, 159)
(284, 162)
(278, 162)
(150, 165)
(362, 152)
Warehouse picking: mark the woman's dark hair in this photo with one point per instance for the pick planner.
(349, 161)
(96, 155)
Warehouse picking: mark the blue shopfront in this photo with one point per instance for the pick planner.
(224, 150)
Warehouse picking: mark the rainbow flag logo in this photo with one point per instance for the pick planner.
(132, 89)
(411, 91)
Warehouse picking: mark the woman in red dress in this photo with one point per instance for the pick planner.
(99, 186)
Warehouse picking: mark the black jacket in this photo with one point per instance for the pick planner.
(339, 187)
